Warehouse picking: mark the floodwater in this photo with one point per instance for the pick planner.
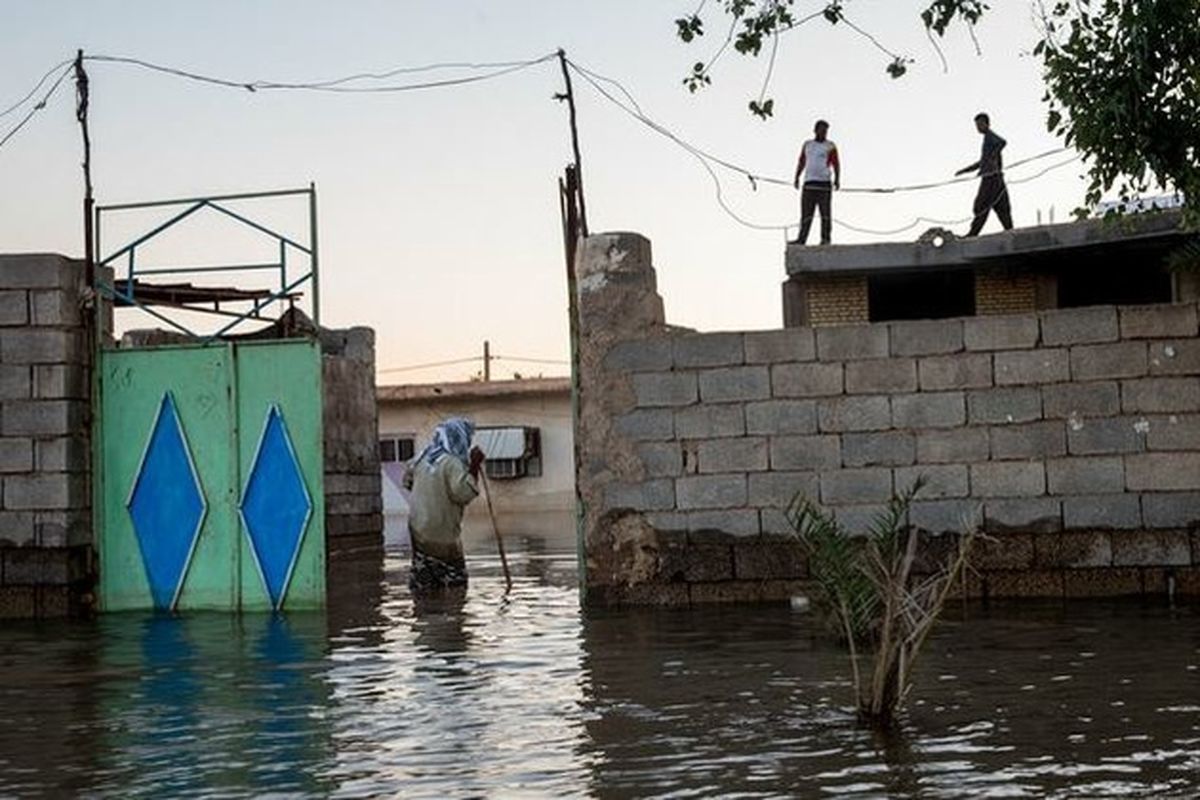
(522, 694)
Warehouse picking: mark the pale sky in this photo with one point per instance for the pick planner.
(439, 220)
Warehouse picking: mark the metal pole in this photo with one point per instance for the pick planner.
(487, 360)
(570, 98)
(312, 243)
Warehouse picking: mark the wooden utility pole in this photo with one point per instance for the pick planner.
(569, 96)
(81, 114)
(487, 360)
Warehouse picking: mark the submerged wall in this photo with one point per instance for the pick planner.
(1072, 436)
(45, 504)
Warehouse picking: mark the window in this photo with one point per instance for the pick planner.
(396, 448)
(939, 295)
(514, 452)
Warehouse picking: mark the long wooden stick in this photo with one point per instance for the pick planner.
(487, 495)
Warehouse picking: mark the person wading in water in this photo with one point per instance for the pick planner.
(444, 480)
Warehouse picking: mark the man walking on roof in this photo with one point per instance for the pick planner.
(993, 194)
(822, 174)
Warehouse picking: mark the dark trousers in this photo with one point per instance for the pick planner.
(816, 194)
(992, 195)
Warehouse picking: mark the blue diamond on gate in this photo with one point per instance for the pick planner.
(275, 507)
(167, 506)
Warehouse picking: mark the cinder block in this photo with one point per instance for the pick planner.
(806, 380)
(61, 381)
(665, 388)
(55, 307)
(941, 480)
(661, 459)
(1028, 515)
(1085, 475)
(710, 421)
(646, 424)
(651, 495)
(929, 410)
(49, 491)
(1105, 582)
(1172, 432)
(1151, 549)
(1024, 367)
(1158, 321)
(16, 528)
(44, 417)
(1100, 361)
(1107, 435)
(690, 562)
(709, 350)
(850, 342)
(775, 524)
(1100, 511)
(640, 355)
(1073, 549)
(709, 525)
(965, 371)
(775, 417)
(1162, 471)
(776, 347)
(733, 455)
(41, 271)
(857, 520)
(734, 384)
(769, 560)
(1008, 479)
(925, 337)
(40, 346)
(865, 413)
(952, 445)
(14, 308)
(882, 448)
(942, 516)
(710, 491)
(1171, 510)
(856, 486)
(1151, 395)
(778, 489)
(1024, 583)
(805, 452)
(1010, 551)
(16, 382)
(1079, 325)
(1101, 399)
(1029, 440)
(16, 455)
(1000, 333)
(1004, 406)
(881, 376)
(1179, 357)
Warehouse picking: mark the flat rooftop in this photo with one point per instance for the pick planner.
(1151, 234)
(461, 390)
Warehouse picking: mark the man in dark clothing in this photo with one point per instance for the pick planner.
(993, 194)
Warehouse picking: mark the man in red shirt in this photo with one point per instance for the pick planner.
(822, 174)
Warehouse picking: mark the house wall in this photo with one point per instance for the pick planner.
(538, 509)
(1073, 436)
(45, 386)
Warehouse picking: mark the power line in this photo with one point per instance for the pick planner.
(337, 85)
(37, 107)
(35, 88)
(471, 360)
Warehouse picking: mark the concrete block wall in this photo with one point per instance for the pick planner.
(45, 388)
(1072, 436)
(353, 491)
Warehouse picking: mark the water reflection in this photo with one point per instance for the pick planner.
(494, 693)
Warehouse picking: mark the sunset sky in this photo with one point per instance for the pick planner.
(439, 221)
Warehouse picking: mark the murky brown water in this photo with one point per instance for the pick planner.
(525, 695)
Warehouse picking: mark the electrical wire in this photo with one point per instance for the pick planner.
(36, 87)
(337, 85)
(41, 104)
(473, 359)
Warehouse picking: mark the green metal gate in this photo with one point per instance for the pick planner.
(210, 473)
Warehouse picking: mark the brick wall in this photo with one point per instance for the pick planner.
(836, 301)
(1001, 293)
(1073, 436)
(45, 385)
